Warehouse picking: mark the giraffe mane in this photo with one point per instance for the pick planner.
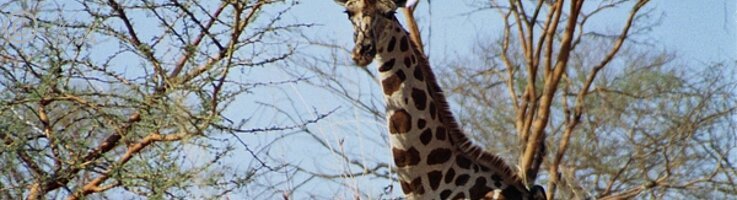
(457, 136)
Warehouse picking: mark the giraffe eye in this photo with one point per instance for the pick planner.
(349, 13)
(389, 14)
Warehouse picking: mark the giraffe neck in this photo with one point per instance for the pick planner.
(433, 157)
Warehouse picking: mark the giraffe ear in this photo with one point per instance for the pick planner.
(388, 6)
(341, 2)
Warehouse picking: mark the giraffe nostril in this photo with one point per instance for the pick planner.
(368, 49)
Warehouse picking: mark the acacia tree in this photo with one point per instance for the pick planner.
(543, 60)
(122, 98)
(651, 128)
(647, 126)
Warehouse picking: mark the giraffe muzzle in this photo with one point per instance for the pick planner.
(363, 54)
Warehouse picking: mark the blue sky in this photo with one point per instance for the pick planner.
(701, 31)
(698, 30)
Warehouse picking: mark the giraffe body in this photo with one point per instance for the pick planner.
(434, 158)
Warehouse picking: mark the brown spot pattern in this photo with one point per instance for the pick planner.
(450, 175)
(420, 98)
(404, 158)
(479, 188)
(406, 189)
(434, 178)
(404, 44)
(418, 73)
(417, 186)
(497, 180)
(440, 133)
(388, 65)
(390, 46)
(462, 179)
(421, 123)
(391, 84)
(463, 162)
(426, 136)
(400, 74)
(407, 62)
(400, 122)
(445, 194)
(438, 156)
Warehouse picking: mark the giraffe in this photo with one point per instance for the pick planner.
(433, 157)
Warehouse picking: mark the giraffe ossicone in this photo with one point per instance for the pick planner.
(434, 158)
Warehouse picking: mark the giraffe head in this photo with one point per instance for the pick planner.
(369, 18)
